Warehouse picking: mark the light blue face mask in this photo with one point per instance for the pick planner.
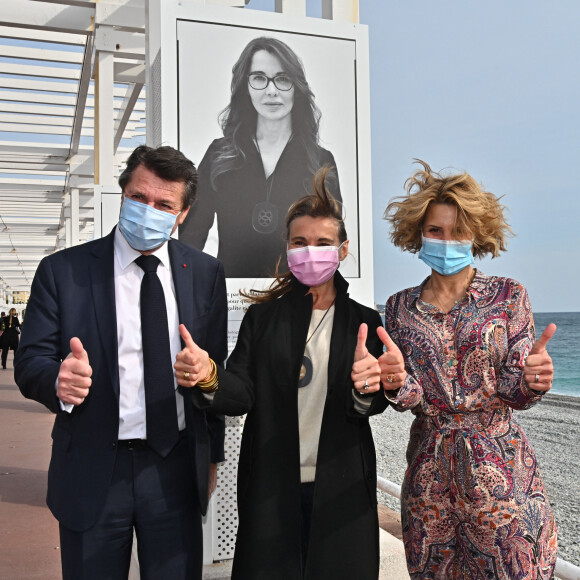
(144, 227)
(447, 257)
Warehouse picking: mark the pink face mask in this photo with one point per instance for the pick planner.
(313, 265)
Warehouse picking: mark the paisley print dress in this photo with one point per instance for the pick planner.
(473, 502)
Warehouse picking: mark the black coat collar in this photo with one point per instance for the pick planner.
(300, 290)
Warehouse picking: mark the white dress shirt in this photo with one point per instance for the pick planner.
(128, 276)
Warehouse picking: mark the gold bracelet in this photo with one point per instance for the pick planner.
(209, 388)
(207, 384)
(211, 375)
(210, 383)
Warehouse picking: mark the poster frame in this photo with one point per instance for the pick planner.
(163, 108)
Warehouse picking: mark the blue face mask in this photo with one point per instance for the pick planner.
(144, 227)
(446, 257)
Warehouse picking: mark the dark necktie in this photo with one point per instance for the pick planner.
(160, 404)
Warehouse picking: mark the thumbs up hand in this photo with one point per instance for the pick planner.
(391, 362)
(74, 376)
(192, 364)
(538, 367)
(366, 373)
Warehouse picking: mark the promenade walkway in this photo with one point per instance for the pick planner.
(29, 540)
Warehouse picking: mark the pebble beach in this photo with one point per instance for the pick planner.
(552, 426)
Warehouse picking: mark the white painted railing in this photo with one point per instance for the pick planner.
(564, 570)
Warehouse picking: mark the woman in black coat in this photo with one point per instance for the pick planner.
(10, 336)
(306, 374)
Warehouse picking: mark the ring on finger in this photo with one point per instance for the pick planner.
(537, 378)
(185, 375)
(390, 378)
(366, 386)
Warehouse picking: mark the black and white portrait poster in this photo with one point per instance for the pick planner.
(261, 102)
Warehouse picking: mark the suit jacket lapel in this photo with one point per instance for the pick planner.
(102, 280)
(182, 272)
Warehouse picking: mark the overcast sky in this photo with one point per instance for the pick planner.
(491, 88)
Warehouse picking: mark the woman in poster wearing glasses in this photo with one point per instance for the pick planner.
(265, 161)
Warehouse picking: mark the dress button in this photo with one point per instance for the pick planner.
(114, 445)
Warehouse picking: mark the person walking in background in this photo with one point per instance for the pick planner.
(303, 370)
(473, 501)
(265, 161)
(11, 335)
(131, 452)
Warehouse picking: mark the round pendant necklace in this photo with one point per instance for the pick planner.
(307, 369)
(265, 215)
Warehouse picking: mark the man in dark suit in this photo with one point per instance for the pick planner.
(121, 462)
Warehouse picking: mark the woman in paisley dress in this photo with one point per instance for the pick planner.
(473, 502)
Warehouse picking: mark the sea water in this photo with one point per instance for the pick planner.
(564, 348)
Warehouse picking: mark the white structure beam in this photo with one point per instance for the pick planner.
(55, 72)
(43, 121)
(293, 7)
(41, 54)
(51, 86)
(12, 184)
(74, 216)
(130, 72)
(47, 151)
(30, 109)
(41, 36)
(128, 15)
(53, 129)
(128, 45)
(30, 169)
(34, 112)
(341, 10)
(46, 16)
(83, 91)
(126, 112)
(104, 141)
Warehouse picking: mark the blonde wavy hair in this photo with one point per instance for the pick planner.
(479, 213)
